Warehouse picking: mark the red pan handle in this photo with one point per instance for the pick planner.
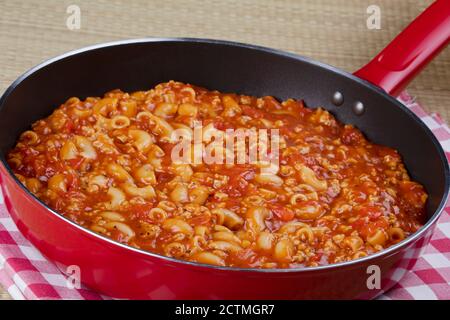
(397, 64)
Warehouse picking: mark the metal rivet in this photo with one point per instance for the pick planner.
(358, 108)
(338, 98)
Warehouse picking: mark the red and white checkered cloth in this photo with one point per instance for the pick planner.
(26, 274)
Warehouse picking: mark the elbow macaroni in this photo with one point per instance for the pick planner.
(106, 164)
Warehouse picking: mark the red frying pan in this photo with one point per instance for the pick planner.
(364, 99)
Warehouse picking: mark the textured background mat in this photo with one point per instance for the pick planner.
(332, 31)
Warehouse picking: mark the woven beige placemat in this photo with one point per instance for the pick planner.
(4, 295)
(332, 31)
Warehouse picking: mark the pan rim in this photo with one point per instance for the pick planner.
(383, 253)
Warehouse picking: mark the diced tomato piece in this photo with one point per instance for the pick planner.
(75, 163)
(282, 213)
(69, 126)
(73, 181)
